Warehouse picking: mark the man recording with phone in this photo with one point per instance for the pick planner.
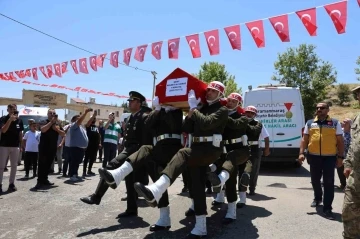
(47, 147)
(11, 136)
(111, 139)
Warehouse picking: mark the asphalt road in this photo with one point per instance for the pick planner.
(281, 209)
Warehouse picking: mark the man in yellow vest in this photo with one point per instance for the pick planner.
(323, 139)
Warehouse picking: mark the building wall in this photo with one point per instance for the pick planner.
(103, 111)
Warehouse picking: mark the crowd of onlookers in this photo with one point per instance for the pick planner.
(51, 141)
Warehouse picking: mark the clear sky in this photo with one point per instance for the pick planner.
(106, 26)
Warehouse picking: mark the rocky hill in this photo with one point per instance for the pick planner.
(348, 110)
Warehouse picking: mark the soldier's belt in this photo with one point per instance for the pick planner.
(202, 139)
(233, 141)
(168, 136)
(253, 142)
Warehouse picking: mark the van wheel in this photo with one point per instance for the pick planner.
(297, 164)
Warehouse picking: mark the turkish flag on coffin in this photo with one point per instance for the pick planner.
(174, 89)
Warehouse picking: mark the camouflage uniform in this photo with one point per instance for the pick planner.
(351, 206)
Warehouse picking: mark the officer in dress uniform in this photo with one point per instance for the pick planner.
(206, 126)
(133, 139)
(166, 122)
(237, 153)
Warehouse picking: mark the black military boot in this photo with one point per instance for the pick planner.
(100, 191)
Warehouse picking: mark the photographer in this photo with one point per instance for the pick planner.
(50, 132)
(11, 136)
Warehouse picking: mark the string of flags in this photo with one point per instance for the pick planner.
(77, 89)
(337, 12)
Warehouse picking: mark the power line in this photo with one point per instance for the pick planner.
(67, 43)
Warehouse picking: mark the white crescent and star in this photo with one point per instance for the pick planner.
(93, 61)
(335, 11)
(232, 33)
(34, 71)
(255, 28)
(114, 57)
(127, 54)
(73, 64)
(279, 24)
(172, 48)
(306, 15)
(211, 37)
(192, 40)
(156, 47)
(83, 64)
(57, 69)
(141, 51)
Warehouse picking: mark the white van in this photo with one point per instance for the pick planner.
(36, 113)
(280, 110)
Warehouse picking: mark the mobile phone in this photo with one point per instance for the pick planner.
(55, 115)
(16, 112)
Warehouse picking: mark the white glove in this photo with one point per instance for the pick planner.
(193, 102)
(156, 103)
(169, 108)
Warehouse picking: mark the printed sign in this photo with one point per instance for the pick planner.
(45, 98)
(176, 87)
(276, 115)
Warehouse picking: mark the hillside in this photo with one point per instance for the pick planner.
(341, 112)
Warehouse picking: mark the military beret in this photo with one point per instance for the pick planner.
(133, 95)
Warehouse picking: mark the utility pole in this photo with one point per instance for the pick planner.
(153, 94)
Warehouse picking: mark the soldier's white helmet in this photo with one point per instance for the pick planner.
(235, 96)
(251, 108)
(218, 86)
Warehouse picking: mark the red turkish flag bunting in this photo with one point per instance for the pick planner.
(57, 68)
(233, 33)
(49, 71)
(28, 72)
(173, 48)
(83, 66)
(156, 49)
(22, 74)
(212, 40)
(256, 29)
(281, 26)
(92, 60)
(11, 76)
(114, 59)
(358, 2)
(308, 18)
(42, 69)
(338, 14)
(140, 53)
(64, 67)
(34, 73)
(100, 60)
(7, 77)
(127, 56)
(73, 65)
(194, 44)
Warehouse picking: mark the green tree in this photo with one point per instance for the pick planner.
(343, 93)
(357, 69)
(214, 71)
(301, 67)
(125, 106)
